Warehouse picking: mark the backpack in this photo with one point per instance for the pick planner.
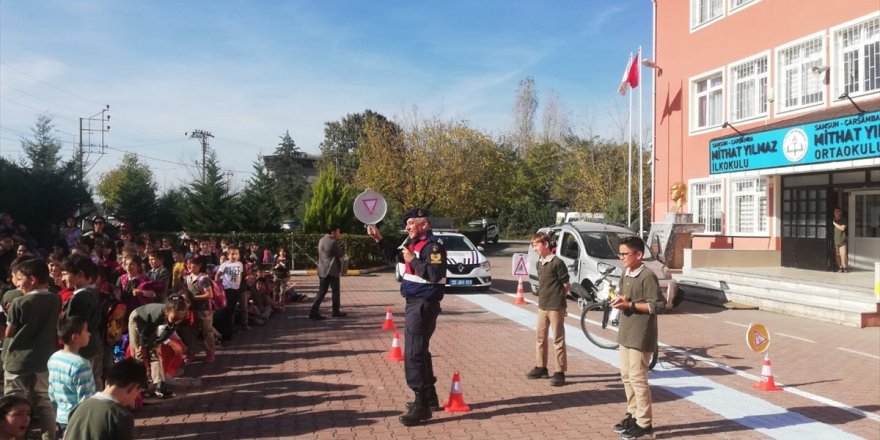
(113, 320)
(218, 294)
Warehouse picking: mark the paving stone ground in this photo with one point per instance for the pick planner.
(296, 378)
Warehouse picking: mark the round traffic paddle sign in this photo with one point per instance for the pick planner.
(370, 207)
(757, 338)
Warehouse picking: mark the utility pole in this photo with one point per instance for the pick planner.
(87, 128)
(202, 136)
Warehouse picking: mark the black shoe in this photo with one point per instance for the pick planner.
(164, 391)
(339, 314)
(317, 317)
(431, 396)
(636, 431)
(419, 413)
(538, 373)
(624, 424)
(844, 269)
(558, 379)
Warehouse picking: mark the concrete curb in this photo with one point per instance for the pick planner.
(348, 273)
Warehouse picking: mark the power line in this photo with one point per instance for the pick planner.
(50, 85)
(45, 111)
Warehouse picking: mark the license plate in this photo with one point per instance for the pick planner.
(454, 282)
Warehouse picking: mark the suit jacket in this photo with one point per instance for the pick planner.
(329, 257)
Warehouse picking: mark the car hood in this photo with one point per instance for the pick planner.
(464, 257)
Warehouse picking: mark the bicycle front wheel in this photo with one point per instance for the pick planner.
(598, 321)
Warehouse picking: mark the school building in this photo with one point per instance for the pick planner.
(769, 112)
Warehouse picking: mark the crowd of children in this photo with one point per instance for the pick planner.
(88, 335)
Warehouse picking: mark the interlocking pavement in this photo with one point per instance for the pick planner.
(296, 378)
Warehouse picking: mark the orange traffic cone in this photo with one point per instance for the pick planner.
(767, 382)
(456, 399)
(389, 323)
(519, 293)
(395, 354)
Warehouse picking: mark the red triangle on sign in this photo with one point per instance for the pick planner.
(370, 204)
(759, 339)
(520, 268)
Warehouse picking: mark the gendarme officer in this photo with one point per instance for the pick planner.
(424, 258)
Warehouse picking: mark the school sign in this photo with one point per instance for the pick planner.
(847, 138)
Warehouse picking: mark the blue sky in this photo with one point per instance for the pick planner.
(248, 71)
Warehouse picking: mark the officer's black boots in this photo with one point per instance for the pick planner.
(420, 411)
(433, 400)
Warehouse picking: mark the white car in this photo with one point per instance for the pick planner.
(466, 266)
(585, 247)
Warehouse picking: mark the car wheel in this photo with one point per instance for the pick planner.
(495, 240)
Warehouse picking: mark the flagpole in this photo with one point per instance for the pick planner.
(641, 153)
(629, 163)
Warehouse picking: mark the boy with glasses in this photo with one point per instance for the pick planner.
(639, 301)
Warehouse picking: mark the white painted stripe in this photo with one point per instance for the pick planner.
(698, 315)
(858, 352)
(795, 337)
(747, 410)
(737, 324)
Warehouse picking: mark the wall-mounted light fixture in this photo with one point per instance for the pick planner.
(818, 70)
(728, 124)
(653, 65)
(845, 95)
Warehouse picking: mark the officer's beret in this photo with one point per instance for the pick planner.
(415, 213)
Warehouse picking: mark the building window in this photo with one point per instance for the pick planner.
(707, 102)
(748, 206)
(748, 89)
(704, 11)
(736, 4)
(799, 86)
(858, 58)
(706, 204)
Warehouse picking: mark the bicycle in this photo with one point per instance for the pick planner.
(603, 318)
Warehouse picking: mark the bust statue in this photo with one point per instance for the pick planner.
(678, 196)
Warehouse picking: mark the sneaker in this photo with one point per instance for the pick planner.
(164, 391)
(538, 373)
(624, 424)
(558, 379)
(636, 431)
(209, 359)
(317, 317)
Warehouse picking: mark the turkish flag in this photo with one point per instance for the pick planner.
(630, 75)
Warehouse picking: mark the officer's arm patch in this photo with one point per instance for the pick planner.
(436, 258)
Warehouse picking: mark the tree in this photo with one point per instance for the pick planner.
(556, 120)
(290, 183)
(208, 202)
(524, 108)
(257, 206)
(331, 203)
(129, 191)
(167, 216)
(42, 151)
(343, 139)
(443, 165)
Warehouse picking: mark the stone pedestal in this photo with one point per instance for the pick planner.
(669, 239)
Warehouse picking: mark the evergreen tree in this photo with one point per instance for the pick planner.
(42, 151)
(167, 209)
(257, 206)
(331, 203)
(129, 191)
(290, 183)
(208, 203)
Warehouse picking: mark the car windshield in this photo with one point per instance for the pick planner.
(605, 245)
(457, 243)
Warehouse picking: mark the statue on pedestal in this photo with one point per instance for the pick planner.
(678, 196)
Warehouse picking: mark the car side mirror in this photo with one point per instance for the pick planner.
(480, 248)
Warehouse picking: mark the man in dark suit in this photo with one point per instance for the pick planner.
(329, 269)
